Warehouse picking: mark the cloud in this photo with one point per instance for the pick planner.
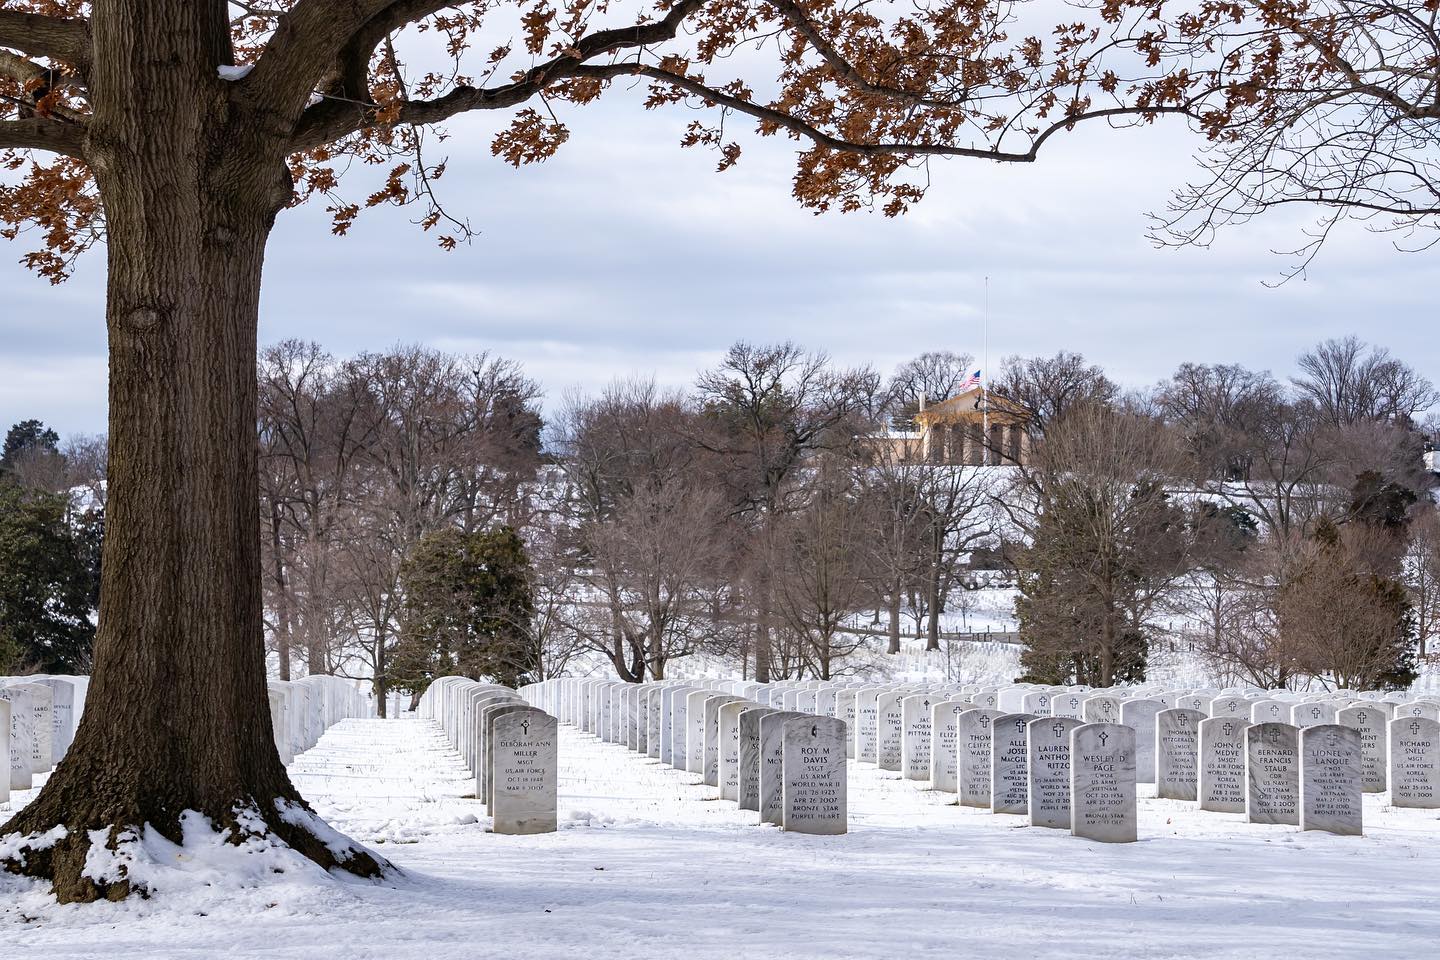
(625, 254)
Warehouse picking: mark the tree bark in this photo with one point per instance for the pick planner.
(177, 717)
(282, 595)
(932, 620)
(894, 627)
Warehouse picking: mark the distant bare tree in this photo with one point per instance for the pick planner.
(821, 571)
(1105, 543)
(648, 521)
(1350, 382)
(1242, 637)
(767, 411)
(893, 506)
(1253, 446)
(958, 516)
(931, 377)
(1216, 407)
(86, 464)
(1046, 388)
(1348, 627)
(1420, 572)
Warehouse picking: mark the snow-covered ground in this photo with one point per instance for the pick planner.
(646, 864)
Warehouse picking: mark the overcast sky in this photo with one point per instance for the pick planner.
(626, 254)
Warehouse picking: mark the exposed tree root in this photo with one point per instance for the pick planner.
(36, 846)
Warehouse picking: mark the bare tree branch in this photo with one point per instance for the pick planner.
(36, 133)
(38, 36)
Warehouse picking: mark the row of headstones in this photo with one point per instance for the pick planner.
(510, 746)
(1310, 773)
(1229, 765)
(41, 714)
(38, 717)
(762, 750)
(302, 710)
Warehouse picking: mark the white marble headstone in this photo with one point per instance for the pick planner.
(1048, 746)
(1415, 762)
(1177, 753)
(1009, 764)
(524, 757)
(814, 769)
(1221, 780)
(1272, 773)
(1102, 783)
(1331, 798)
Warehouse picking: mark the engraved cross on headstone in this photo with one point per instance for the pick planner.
(1415, 728)
(1103, 737)
(1058, 729)
(1229, 729)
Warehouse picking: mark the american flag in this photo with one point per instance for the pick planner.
(974, 381)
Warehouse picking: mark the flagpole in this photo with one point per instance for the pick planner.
(985, 379)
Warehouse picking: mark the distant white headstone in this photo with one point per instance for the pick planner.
(1101, 709)
(944, 759)
(1139, 713)
(1068, 705)
(889, 730)
(1312, 714)
(747, 774)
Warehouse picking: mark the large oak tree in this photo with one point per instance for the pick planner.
(176, 131)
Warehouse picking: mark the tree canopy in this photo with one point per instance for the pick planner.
(1328, 103)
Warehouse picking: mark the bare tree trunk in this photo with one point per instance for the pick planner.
(894, 609)
(382, 681)
(762, 631)
(932, 625)
(1107, 647)
(282, 595)
(177, 717)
